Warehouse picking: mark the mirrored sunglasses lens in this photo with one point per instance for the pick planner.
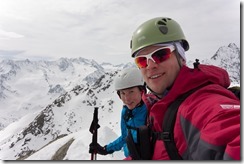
(141, 62)
(161, 55)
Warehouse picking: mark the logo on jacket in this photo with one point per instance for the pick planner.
(229, 106)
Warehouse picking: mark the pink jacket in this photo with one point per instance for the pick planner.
(207, 125)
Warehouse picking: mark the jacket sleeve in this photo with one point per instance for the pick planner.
(215, 124)
(117, 144)
(222, 135)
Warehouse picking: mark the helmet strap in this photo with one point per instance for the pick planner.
(118, 93)
(177, 54)
(158, 95)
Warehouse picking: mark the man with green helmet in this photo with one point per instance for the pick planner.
(207, 124)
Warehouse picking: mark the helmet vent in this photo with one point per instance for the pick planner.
(161, 23)
(163, 26)
(163, 29)
(164, 19)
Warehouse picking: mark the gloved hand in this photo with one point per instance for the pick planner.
(99, 149)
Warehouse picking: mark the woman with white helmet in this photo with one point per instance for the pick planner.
(130, 87)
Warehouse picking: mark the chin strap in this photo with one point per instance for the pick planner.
(177, 54)
(158, 95)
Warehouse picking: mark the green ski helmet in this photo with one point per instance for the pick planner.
(155, 31)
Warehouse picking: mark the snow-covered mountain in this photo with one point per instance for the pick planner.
(227, 57)
(47, 107)
(28, 86)
(69, 113)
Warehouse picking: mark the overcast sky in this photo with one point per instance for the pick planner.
(102, 29)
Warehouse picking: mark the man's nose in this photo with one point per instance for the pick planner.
(150, 63)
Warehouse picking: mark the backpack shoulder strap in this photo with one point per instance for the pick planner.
(236, 90)
(168, 126)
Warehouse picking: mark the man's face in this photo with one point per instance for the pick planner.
(159, 76)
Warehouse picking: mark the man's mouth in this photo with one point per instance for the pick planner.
(155, 76)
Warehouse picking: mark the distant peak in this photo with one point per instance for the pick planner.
(233, 45)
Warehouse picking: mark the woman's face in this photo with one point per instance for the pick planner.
(131, 97)
(161, 76)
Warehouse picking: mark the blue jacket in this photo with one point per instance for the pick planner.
(138, 118)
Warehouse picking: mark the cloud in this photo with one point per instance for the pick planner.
(8, 54)
(8, 35)
(99, 29)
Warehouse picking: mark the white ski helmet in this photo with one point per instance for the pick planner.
(127, 78)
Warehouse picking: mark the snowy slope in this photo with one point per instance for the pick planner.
(69, 113)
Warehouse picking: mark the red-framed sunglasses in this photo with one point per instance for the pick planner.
(157, 56)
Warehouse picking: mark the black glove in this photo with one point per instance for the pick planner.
(98, 149)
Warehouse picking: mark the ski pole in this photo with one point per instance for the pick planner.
(93, 129)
